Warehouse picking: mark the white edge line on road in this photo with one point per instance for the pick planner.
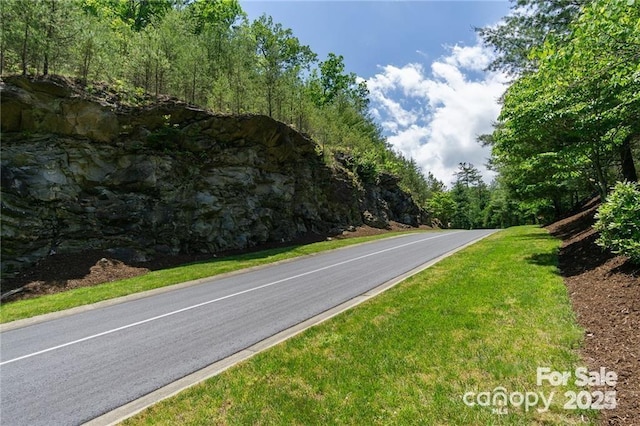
(132, 408)
(208, 302)
(26, 322)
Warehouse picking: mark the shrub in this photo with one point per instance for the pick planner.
(618, 221)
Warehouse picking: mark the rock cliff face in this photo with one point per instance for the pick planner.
(79, 172)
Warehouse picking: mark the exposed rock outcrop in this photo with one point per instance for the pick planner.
(81, 173)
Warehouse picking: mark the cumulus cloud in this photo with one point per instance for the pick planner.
(435, 116)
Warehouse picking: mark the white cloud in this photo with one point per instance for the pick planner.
(473, 58)
(436, 117)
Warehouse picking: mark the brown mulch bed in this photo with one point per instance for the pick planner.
(605, 293)
(62, 272)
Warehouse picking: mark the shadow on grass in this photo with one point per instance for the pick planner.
(534, 236)
(543, 259)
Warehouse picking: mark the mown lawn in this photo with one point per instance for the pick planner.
(483, 318)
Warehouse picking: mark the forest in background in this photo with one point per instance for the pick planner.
(569, 126)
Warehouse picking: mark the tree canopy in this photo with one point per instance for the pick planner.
(569, 125)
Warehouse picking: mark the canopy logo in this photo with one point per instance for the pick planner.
(500, 400)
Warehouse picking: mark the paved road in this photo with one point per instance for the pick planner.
(73, 369)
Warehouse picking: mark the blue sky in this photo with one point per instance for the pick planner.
(422, 62)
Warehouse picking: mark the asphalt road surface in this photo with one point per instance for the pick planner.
(72, 369)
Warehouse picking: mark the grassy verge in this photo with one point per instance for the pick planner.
(83, 296)
(484, 318)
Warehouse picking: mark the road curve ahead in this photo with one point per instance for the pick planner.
(75, 368)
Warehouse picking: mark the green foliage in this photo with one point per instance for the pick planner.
(566, 123)
(526, 27)
(412, 180)
(618, 221)
(279, 55)
(366, 167)
(471, 196)
(333, 85)
(216, 13)
(37, 35)
(570, 117)
(503, 211)
(442, 207)
(471, 203)
(137, 14)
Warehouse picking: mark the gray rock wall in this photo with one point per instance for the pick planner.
(83, 173)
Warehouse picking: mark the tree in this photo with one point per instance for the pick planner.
(601, 64)
(434, 185)
(332, 81)
(442, 207)
(140, 13)
(279, 53)
(463, 215)
(503, 211)
(242, 70)
(7, 33)
(22, 32)
(567, 127)
(214, 13)
(526, 28)
(146, 60)
(468, 175)
(471, 196)
(92, 52)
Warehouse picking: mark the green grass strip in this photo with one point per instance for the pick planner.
(83, 296)
(483, 318)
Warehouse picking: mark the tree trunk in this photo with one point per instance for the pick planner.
(193, 85)
(603, 186)
(156, 79)
(50, 30)
(24, 48)
(85, 67)
(628, 167)
(45, 67)
(557, 207)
